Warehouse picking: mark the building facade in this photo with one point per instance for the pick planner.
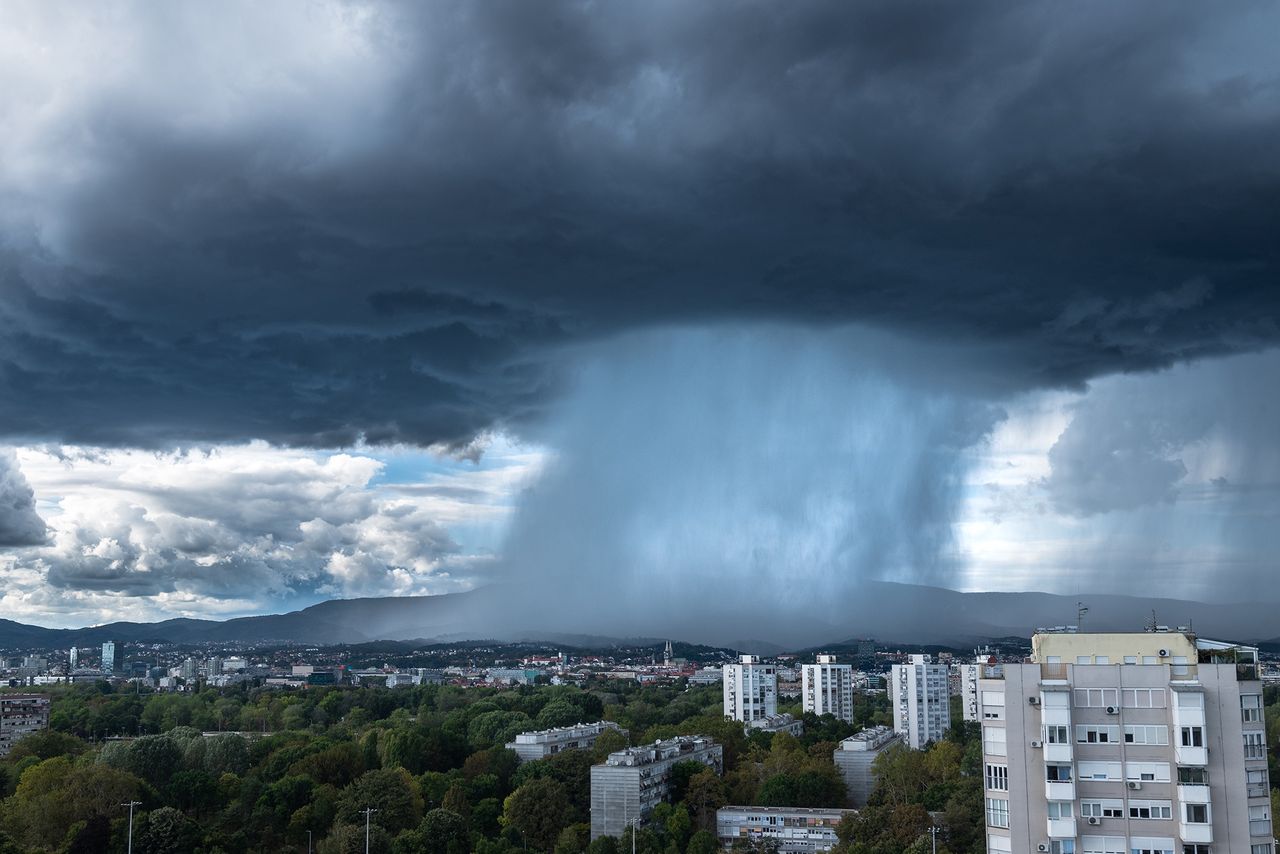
(827, 688)
(921, 701)
(856, 755)
(20, 715)
(109, 657)
(782, 722)
(787, 830)
(750, 690)
(548, 742)
(1144, 741)
(631, 782)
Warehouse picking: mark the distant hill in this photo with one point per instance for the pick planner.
(897, 613)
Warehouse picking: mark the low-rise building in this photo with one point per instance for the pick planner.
(855, 757)
(782, 722)
(631, 782)
(542, 743)
(21, 715)
(787, 830)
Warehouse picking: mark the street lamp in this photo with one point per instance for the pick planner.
(934, 831)
(368, 811)
(308, 842)
(131, 805)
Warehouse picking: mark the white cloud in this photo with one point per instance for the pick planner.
(250, 528)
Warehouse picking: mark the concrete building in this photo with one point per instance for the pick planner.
(631, 782)
(706, 676)
(784, 722)
(970, 673)
(1144, 741)
(109, 657)
(750, 690)
(793, 830)
(827, 688)
(73, 658)
(855, 756)
(21, 714)
(921, 702)
(548, 742)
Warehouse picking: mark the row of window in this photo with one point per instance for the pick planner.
(993, 702)
(994, 739)
(998, 811)
(1118, 845)
(1256, 781)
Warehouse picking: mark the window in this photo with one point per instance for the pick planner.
(1192, 736)
(1154, 772)
(1062, 846)
(997, 812)
(1190, 700)
(998, 777)
(1151, 809)
(1144, 734)
(1131, 659)
(993, 741)
(1251, 708)
(1256, 785)
(1149, 848)
(999, 843)
(1061, 809)
(1057, 773)
(1260, 820)
(1102, 808)
(1056, 735)
(1096, 734)
(1084, 659)
(1264, 848)
(1255, 746)
(1103, 845)
(1189, 848)
(1096, 698)
(1102, 659)
(1195, 813)
(1143, 698)
(1100, 771)
(1193, 776)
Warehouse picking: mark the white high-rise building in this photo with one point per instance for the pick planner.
(827, 688)
(1145, 741)
(109, 657)
(750, 690)
(921, 701)
(983, 661)
(73, 658)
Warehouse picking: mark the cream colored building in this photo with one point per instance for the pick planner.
(1112, 743)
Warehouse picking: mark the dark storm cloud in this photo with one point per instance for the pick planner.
(20, 524)
(391, 226)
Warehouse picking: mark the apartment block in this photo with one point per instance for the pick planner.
(109, 658)
(970, 673)
(1111, 743)
(631, 782)
(855, 757)
(20, 715)
(782, 722)
(750, 690)
(827, 688)
(921, 701)
(786, 830)
(542, 743)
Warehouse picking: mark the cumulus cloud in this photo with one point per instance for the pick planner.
(20, 524)
(240, 529)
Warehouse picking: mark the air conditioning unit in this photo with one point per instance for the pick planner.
(1134, 784)
(1043, 846)
(1163, 653)
(1113, 710)
(1093, 819)
(1037, 744)
(1033, 701)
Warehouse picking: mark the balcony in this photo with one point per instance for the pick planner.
(1053, 672)
(1193, 793)
(1062, 828)
(1197, 756)
(1259, 827)
(1201, 833)
(1060, 791)
(1057, 753)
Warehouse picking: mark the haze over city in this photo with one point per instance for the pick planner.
(701, 304)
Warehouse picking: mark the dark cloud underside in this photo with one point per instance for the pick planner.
(395, 237)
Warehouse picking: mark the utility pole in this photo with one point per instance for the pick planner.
(131, 805)
(933, 831)
(368, 811)
(308, 842)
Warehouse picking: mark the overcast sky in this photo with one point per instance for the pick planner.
(338, 298)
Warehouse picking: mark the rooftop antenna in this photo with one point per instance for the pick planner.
(1081, 610)
(1151, 624)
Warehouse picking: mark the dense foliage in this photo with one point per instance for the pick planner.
(431, 761)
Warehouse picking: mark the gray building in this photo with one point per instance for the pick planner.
(855, 757)
(781, 722)
(1143, 741)
(542, 743)
(631, 782)
(793, 830)
(750, 689)
(20, 715)
(108, 657)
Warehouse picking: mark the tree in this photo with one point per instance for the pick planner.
(167, 831)
(538, 809)
(559, 713)
(391, 791)
(574, 839)
(442, 832)
(53, 795)
(349, 839)
(702, 842)
(704, 796)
